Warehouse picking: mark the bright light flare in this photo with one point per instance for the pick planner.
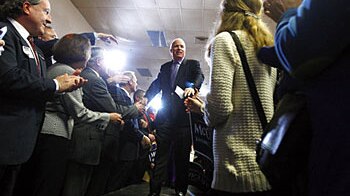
(115, 60)
(156, 102)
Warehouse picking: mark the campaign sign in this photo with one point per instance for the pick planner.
(201, 169)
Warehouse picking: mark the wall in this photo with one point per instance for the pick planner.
(67, 19)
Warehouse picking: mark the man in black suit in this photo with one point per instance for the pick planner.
(24, 88)
(172, 121)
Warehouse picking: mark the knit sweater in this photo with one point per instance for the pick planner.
(232, 112)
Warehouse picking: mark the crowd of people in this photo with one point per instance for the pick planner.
(68, 127)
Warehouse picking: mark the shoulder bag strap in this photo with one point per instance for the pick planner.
(250, 81)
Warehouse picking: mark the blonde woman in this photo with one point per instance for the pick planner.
(229, 104)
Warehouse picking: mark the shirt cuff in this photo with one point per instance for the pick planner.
(96, 36)
(57, 85)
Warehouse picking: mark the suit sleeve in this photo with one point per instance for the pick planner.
(198, 76)
(15, 77)
(222, 72)
(131, 130)
(127, 112)
(91, 36)
(312, 38)
(74, 106)
(98, 97)
(46, 46)
(154, 88)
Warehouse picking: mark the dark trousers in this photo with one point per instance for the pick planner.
(294, 179)
(140, 167)
(77, 179)
(181, 138)
(99, 178)
(223, 193)
(120, 175)
(8, 176)
(44, 173)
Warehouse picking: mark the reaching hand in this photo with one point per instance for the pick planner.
(68, 83)
(77, 72)
(116, 118)
(188, 92)
(143, 123)
(107, 38)
(2, 42)
(118, 78)
(146, 142)
(194, 105)
(152, 137)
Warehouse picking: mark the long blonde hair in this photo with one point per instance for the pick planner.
(243, 15)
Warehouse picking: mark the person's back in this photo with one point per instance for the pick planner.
(313, 45)
(233, 114)
(230, 105)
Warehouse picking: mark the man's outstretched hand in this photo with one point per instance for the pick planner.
(107, 38)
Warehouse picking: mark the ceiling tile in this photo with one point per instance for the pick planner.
(192, 4)
(151, 19)
(192, 19)
(209, 19)
(168, 4)
(130, 18)
(115, 3)
(212, 4)
(145, 3)
(138, 35)
(94, 18)
(84, 3)
(171, 19)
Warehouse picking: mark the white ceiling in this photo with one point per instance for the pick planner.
(131, 19)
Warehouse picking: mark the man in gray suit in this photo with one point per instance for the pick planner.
(94, 151)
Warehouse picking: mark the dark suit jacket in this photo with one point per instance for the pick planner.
(173, 109)
(47, 46)
(89, 143)
(22, 99)
(130, 136)
(128, 111)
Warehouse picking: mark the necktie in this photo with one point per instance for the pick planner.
(174, 69)
(31, 41)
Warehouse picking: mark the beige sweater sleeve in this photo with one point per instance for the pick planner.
(221, 80)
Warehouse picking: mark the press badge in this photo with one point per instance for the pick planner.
(28, 52)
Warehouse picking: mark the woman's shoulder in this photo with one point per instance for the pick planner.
(223, 36)
(227, 34)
